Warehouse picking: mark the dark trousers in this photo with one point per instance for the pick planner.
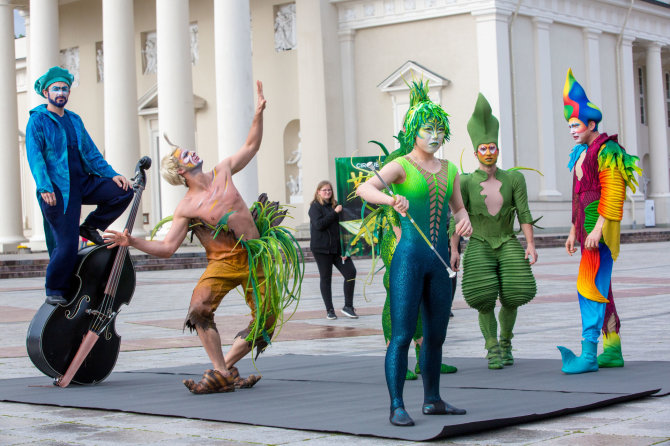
(111, 201)
(325, 264)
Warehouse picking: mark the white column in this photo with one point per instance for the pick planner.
(658, 137)
(312, 98)
(175, 88)
(43, 54)
(10, 202)
(545, 108)
(122, 148)
(348, 89)
(628, 135)
(493, 61)
(235, 97)
(592, 47)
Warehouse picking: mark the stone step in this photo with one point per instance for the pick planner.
(34, 265)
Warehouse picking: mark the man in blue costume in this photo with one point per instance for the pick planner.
(424, 185)
(69, 171)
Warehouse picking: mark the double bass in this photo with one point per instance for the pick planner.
(77, 342)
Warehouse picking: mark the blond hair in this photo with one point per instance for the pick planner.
(317, 197)
(169, 168)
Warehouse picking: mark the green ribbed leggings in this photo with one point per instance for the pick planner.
(491, 273)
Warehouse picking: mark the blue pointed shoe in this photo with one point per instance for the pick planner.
(585, 363)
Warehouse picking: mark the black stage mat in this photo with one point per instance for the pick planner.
(348, 394)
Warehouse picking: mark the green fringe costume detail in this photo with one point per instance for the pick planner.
(611, 156)
(278, 255)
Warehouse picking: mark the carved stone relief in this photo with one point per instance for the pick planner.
(294, 183)
(285, 27)
(149, 59)
(293, 162)
(69, 59)
(149, 49)
(369, 10)
(195, 52)
(99, 61)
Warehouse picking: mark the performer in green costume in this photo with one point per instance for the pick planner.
(389, 241)
(494, 262)
(422, 184)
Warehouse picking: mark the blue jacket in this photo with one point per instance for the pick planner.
(46, 147)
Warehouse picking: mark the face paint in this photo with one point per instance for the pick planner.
(188, 159)
(487, 154)
(578, 130)
(57, 89)
(430, 137)
(58, 94)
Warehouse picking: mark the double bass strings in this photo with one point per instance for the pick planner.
(106, 308)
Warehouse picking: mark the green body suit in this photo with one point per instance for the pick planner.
(419, 283)
(387, 247)
(494, 263)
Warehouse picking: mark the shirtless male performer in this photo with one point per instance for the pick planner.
(210, 198)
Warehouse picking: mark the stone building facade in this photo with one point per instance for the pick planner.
(334, 75)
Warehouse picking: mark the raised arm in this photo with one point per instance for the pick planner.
(160, 248)
(246, 153)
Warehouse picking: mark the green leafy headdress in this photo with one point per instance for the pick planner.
(422, 110)
(483, 126)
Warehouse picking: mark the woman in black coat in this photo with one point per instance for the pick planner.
(324, 217)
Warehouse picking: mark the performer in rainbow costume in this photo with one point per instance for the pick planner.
(423, 185)
(602, 170)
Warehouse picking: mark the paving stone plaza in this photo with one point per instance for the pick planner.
(151, 328)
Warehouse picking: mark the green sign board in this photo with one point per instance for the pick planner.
(349, 173)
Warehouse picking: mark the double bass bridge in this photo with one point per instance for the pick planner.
(100, 314)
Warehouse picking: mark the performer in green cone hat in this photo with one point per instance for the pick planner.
(494, 263)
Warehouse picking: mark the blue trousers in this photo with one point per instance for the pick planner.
(64, 226)
(418, 282)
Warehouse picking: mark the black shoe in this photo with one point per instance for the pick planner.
(56, 300)
(92, 234)
(451, 314)
(400, 417)
(330, 314)
(349, 312)
(441, 408)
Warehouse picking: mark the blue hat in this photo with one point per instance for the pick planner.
(55, 74)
